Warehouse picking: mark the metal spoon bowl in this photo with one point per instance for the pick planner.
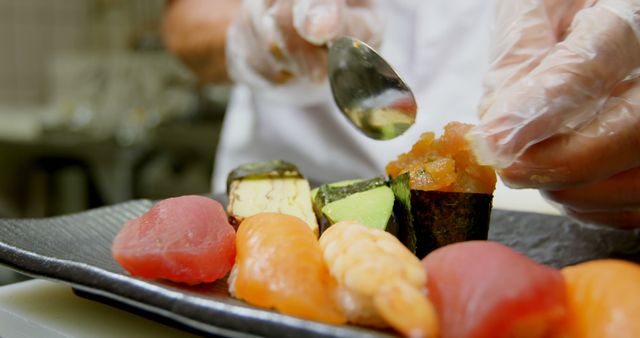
(368, 91)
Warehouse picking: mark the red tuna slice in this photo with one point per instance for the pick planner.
(185, 239)
(485, 289)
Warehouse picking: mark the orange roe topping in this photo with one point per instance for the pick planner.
(444, 164)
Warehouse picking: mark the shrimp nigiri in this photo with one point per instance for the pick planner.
(380, 282)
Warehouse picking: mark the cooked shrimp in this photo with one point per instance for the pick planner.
(380, 282)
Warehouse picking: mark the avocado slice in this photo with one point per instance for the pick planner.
(354, 200)
(372, 208)
(331, 192)
(319, 199)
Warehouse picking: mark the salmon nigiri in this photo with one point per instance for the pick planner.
(485, 289)
(604, 299)
(279, 265)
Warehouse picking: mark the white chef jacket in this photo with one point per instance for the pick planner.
(439, 47)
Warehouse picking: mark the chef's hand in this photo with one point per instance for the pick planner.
(279, 42)
(562, 105)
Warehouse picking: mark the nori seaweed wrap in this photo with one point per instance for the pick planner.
(432, 219)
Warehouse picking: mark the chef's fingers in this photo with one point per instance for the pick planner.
(321, 21)
(606, 146)
(254, 46)
(302, 58)
(318, 21)
(617, 219)
(363, 21)
(264, 49)
(281, 42)
(524, 33)
(566, 90)
(618, 193)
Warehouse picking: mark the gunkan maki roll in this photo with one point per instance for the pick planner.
(442, 194)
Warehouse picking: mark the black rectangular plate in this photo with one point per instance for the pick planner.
(76, 250)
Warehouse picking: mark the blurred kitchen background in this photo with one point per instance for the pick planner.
(93, 110)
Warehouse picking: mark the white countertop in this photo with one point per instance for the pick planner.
(39, 308)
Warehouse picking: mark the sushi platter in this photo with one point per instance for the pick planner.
(75, 250)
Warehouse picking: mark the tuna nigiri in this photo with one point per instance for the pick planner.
(485, 289)
(380, 282)
(604, 299)
(184, 239)
(279, 265)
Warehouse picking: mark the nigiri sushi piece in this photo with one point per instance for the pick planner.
(485, 289)
(279, 265)
(380, 282)
(185, 239)
(603, 299)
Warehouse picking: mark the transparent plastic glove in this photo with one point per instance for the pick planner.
(562, 105)
(281, 42)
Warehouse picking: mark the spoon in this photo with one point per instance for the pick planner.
(368, 91)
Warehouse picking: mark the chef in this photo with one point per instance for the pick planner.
(552, 84)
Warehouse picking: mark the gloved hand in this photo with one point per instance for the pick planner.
(280, 42)
(195, 31)
(562, 105)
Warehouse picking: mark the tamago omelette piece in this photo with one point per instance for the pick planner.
(279, 265)
(183, 239)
